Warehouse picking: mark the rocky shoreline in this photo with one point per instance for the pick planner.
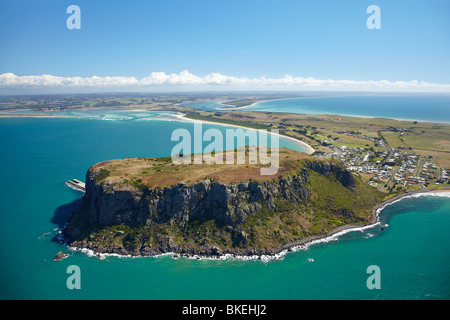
(212, 252)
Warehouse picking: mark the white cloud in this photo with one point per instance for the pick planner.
(45, 80)
(161, 78)
(212, 81)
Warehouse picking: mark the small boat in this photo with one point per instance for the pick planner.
(310, 259)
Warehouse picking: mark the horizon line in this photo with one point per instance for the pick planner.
(186, 81)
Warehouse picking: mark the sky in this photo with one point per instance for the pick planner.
(180, 45)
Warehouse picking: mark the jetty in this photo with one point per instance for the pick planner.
(76, 184)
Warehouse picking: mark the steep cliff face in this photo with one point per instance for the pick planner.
(228, 204)
(325, 168)
(207, 217)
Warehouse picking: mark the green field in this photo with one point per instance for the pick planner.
(421, 138)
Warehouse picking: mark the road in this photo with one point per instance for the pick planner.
(419, 166)
(386, 146)
(390, 178)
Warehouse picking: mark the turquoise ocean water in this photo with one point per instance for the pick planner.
(38, 155)
(423, 107)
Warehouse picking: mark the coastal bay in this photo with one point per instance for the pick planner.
(225, 159)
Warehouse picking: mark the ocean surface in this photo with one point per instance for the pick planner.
(435, 108)
(39, 154)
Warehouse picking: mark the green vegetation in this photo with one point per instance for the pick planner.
(330, 206)
(321, 131)
(102, 174)
(137, 183)
(162, 172)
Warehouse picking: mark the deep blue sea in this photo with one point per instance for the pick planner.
(425, 107)
(39, 154)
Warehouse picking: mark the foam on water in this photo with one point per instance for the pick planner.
(415, 195)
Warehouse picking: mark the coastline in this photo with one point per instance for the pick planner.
(411, 194)
(42, 115)
(301, 244)
(280, 252)
(179, 116)
(255, 103)
(327, 113)
(303, 145)
(230, 107)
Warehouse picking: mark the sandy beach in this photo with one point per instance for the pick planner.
(180, 116)
(230, 107)
(308, 149)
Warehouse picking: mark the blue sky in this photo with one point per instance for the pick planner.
(321, 39)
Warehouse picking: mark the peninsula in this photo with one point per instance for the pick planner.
(150, 206)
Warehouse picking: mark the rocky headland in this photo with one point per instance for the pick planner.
(223, 212)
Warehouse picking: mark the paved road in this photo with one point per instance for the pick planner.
(388, 149)
(392, 175)
(419, 166)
